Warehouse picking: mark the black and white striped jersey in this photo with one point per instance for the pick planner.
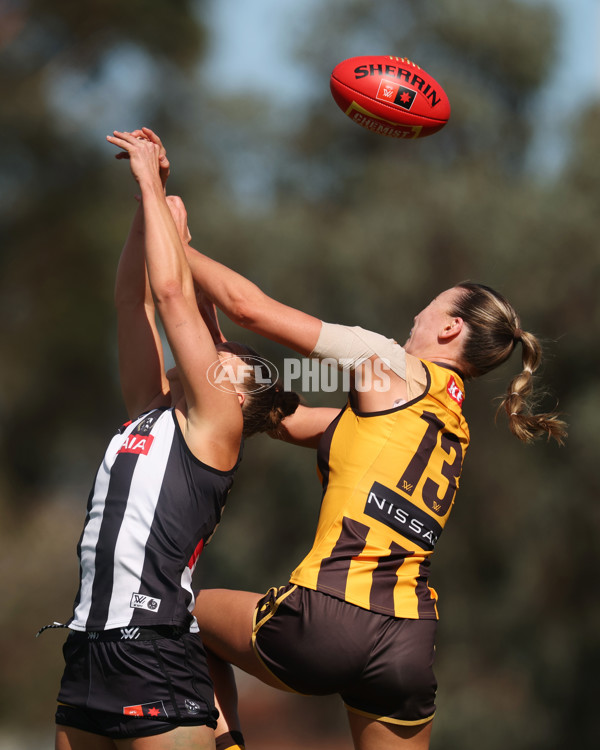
(151, 510)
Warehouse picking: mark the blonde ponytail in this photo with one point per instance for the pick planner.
(493, 332)
(520, 400)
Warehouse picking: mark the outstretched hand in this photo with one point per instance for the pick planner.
(164, 165)
(144, 154)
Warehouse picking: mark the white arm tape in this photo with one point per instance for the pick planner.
(349, 346)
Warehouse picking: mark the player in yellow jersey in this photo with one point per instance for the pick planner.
(358, 617)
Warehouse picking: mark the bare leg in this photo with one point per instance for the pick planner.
(225, 618)
(369, 734)
(180, 738)
(69, 738)
(226, 696)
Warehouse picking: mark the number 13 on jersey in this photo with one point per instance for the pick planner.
(437, 495)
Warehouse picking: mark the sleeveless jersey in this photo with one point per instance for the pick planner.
(389, 481)
(151, 510)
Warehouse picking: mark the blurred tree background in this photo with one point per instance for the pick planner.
(353, 228)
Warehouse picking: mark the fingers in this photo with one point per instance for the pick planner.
(151, 136)
(122, 140)
(122, 137)
(143, 155)
(145, 134)
(131, 143)
(145, 151)
(164, 164)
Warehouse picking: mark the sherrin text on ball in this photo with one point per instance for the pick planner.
(390, 96)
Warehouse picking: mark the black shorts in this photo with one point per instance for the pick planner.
(136, 688)
(316, 644)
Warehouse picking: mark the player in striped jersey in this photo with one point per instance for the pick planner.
(358, 616)
(136, 673)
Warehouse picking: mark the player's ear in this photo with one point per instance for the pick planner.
(452, 328)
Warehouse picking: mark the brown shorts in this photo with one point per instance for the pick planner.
(316, 644)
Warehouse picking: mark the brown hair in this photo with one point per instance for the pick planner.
(493, 331)
(266, 407)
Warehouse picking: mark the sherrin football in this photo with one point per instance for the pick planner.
(390, 95)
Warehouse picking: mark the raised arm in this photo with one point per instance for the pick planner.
(353, 348)
(248, 306)
(213, 418)
(141, 361)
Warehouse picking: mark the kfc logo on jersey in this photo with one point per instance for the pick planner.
(455, 392)
(139, 444)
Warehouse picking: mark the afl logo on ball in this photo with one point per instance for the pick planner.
(394, 93)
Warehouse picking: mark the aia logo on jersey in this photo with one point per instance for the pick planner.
(139, 444)
(394, 93)
(454, 392)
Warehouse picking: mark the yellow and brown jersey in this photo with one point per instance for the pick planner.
(389, 481)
